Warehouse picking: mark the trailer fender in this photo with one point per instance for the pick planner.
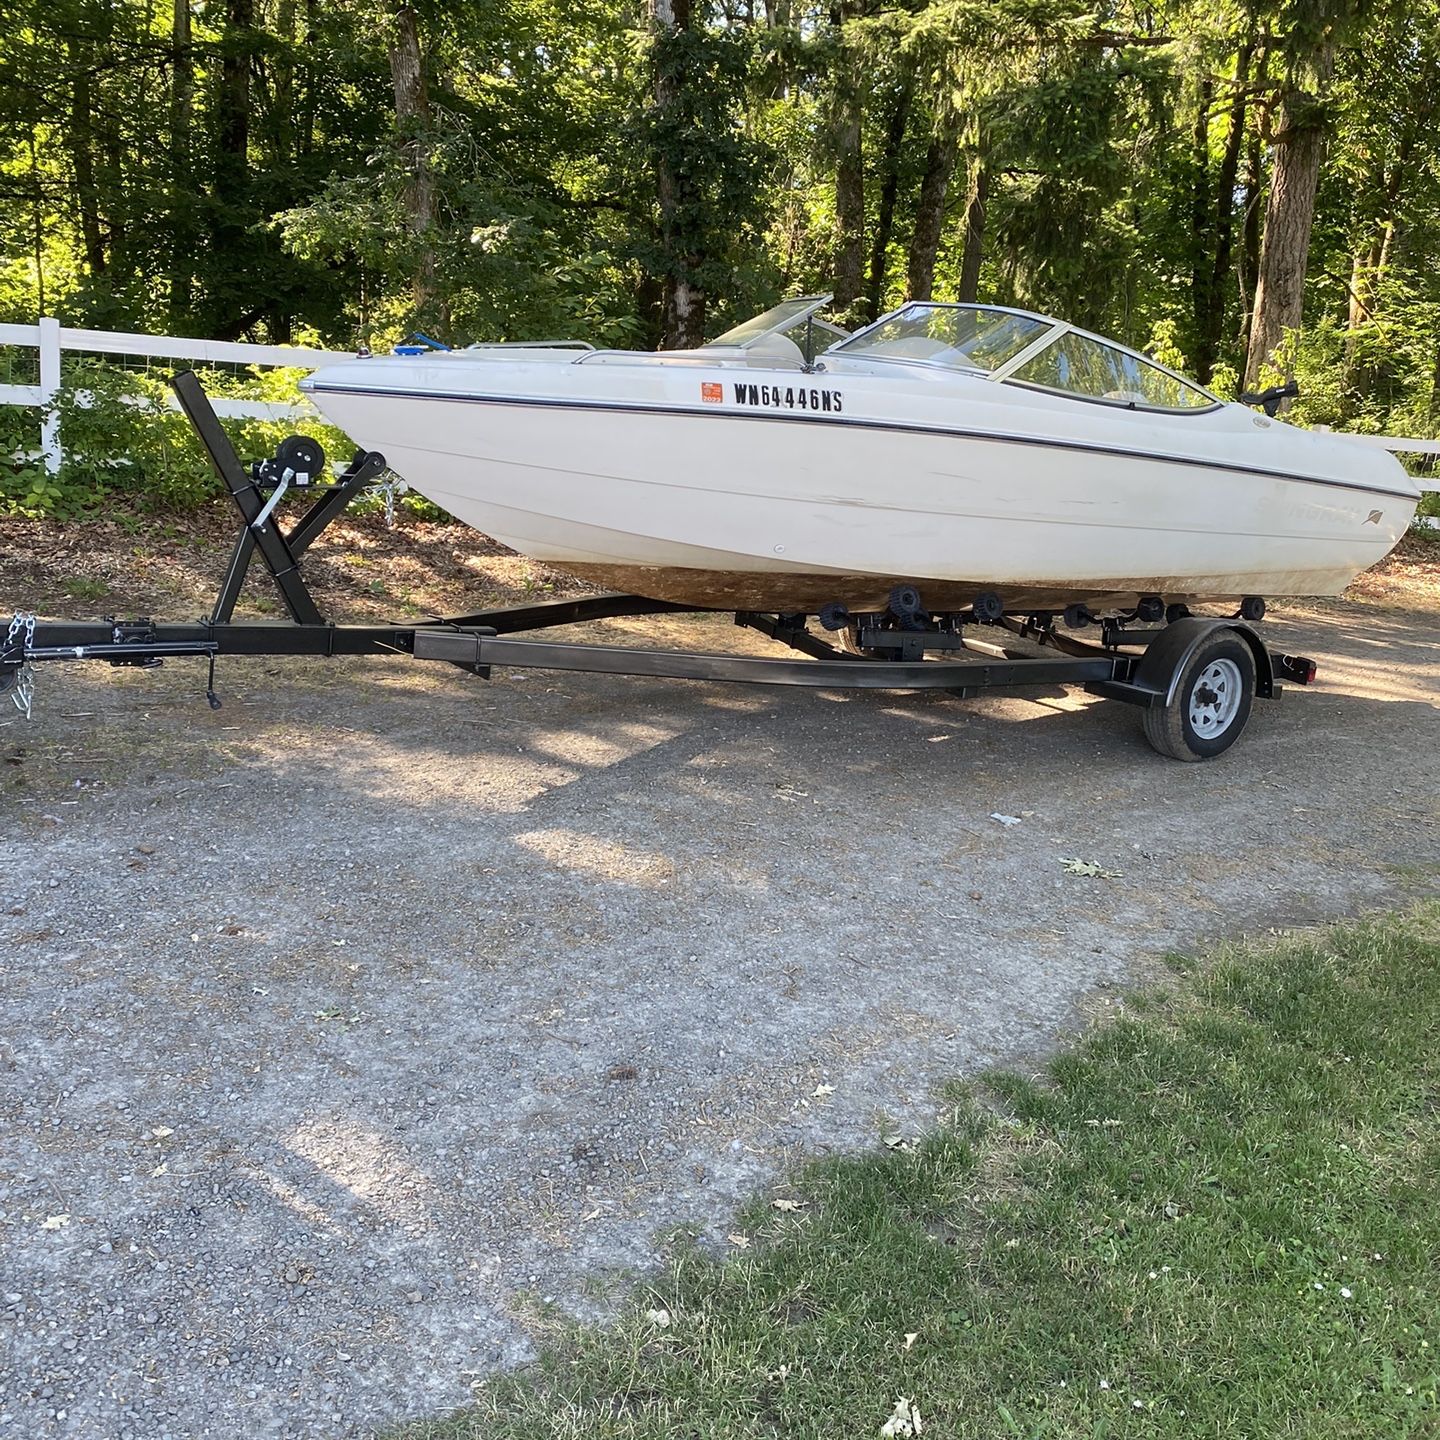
(1165, 659)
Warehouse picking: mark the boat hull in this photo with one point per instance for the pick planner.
(632, 486)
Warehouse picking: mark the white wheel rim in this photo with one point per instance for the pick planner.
(1215, 699)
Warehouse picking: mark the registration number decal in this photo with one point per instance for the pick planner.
(790, 397)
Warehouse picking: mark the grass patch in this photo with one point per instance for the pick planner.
(82, 589)
(1219, 1216)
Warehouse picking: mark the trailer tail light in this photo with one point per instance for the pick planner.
(1299, 668)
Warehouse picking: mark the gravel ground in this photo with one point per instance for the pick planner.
(351, 1024)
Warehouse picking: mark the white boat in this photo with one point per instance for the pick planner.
(966, 450)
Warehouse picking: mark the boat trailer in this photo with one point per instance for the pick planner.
(1193, 677)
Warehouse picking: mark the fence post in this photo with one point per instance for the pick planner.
(49, 388)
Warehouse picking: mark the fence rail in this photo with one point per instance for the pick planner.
(51, 339)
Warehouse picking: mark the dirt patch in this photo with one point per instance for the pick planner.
(171, 568)
(1408, 578)
(361, 570)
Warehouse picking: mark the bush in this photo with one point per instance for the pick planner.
(124, 440)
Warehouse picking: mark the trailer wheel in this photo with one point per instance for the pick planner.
(1210, 704)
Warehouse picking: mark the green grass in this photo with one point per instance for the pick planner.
(1218, 1216)
(81, 589)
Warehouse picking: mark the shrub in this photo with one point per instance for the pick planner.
(123, 439)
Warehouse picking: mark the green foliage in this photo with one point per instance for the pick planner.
(123, 440)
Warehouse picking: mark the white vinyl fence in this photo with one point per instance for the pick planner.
(51, 338)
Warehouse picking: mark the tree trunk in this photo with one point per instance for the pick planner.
(1371, 260)
(233, 104)
(1248, 264)
(312, 83)
(284, 82)
(1289, 217)
(82, 159)
(845, 131)
(412, 121)
(1212, 328)
(930, 211)
(975, 204)
(889, 189)
(1200, 230)
(684, 300)
(37, 231)
(182, 110)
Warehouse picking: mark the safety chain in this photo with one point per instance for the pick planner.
(22, 626)
(390, 489)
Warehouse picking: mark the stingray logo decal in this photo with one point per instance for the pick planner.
(1374, 517)
(790, 397)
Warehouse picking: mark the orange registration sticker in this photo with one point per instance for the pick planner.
(711, 393)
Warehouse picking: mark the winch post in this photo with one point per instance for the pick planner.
(279, 551)
(274, 549)
(365, 466)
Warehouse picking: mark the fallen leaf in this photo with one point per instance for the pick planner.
(158, 1171)
(1006, 820)
(896, 1142)
(660, 1318)
(740, 1242)
(905, 1420)
(821, 1091)
(55, 1222)
(161, 1132)
(788, 1206)
(1073, 866)
(911, 1336)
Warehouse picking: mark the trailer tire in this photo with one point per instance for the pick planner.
(1209, 706)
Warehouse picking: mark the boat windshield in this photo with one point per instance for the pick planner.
(775, 321)
(969, 337)
(1017, 348)
(1089, 368)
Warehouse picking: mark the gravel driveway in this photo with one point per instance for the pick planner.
(347, 1025)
